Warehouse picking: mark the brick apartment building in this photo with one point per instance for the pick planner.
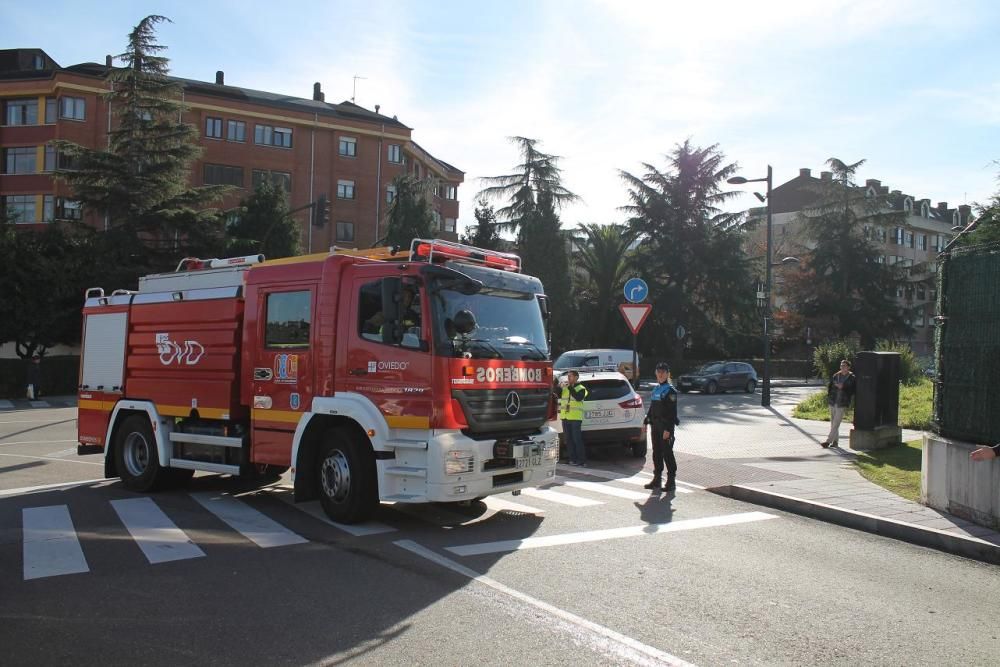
(311, 147)
(913, 243)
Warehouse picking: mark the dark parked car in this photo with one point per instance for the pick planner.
(719, 376)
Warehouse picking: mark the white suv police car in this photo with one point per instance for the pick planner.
(612, 413)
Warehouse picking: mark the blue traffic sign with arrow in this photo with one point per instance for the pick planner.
(636, 290)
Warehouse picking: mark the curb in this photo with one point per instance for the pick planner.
(968, 547)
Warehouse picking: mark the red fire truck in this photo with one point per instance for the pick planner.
(374, 375)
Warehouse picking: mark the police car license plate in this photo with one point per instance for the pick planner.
(528, 461)
(599, 414)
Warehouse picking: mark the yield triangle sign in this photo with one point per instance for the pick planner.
(635, 314)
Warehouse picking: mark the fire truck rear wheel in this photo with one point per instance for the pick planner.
(346, 478)
(137, 459)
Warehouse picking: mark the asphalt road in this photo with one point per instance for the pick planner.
(600, 573)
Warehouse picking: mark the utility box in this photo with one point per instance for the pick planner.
(876, 401)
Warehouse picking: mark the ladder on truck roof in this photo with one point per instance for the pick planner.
(194, 273)
(436, 250)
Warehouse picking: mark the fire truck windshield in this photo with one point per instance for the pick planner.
(504, 324)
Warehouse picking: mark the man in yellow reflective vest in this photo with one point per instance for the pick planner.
(571, 412)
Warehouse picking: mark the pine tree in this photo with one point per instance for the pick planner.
(409, 214)
(484, 234)
(842, 287)
(263, 225)
(690, 253)
(139, 185)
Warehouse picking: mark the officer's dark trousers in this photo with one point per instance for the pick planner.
(662, 451)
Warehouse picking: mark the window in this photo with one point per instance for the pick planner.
(607, 390)
(50, 158)
(390, 194)
(897, 236)
(450, 191)
(73, 108)
(371, 318)
(236, 130)
(437, 219)
(881, 234)
(38, 62)
(69, 209)
(880, 259)
(213, 128)
(908, 239)
(395, 154)
(272, 136)
(345, 231)
(21, 112)
(48, 208)
(922, 294)
(288, 319)
(922, 242)
(348, 146)
(221, 174)
(449, 224)
(20, 160)
(899, 292)
(279, 178)
(345, 189)
(51, 109)
(20, 207)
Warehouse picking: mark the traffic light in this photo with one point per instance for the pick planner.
(321, 211)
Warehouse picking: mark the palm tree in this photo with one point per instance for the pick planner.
(603, 262)
(537, 173)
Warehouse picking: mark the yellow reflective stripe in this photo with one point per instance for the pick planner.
(286, 416)
(407, 422)
(100, 406)
(184, 411)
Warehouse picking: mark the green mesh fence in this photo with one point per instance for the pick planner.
(967, 345)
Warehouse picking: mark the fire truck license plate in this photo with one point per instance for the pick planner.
(528, 461)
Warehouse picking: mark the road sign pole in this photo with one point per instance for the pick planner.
(635, 360)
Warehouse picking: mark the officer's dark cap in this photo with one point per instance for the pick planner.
(663, 366)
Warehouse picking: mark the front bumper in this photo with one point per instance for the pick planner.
(527, 461)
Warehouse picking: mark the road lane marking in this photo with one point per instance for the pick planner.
(606, 489)
(501, 504)
(159, 538)
(260, 529)
(39, 404)
(51, 547)
(52, 458)
(619, 647)
(561, 498)
(24, 490)
(63, 452)
(608, 534)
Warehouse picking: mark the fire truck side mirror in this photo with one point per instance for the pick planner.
(391, 293)
(465, 322)
(543, 305)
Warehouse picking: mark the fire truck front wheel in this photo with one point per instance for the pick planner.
(137, 459)
(347, 480)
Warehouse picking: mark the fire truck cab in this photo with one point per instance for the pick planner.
(372, 375)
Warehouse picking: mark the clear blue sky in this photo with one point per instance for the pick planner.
(911, 86)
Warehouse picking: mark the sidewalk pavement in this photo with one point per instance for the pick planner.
(42, 402)
(764, 456)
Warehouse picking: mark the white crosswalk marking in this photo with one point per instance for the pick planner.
(51, 547)
(39, 404)
(608, 534)
(159, 538)
(638, 479)
(6, 405)
(561, 498)
(500, 504)
(256, 527)
(314, 509)
(607, 489)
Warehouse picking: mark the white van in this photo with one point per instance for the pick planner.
(597, 359)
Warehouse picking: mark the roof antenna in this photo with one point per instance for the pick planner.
(354, 90)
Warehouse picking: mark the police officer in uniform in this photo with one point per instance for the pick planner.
(571, 412)
(662, 419)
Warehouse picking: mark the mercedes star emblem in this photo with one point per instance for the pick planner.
(513, 403)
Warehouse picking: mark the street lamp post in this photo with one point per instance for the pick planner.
(765, 389)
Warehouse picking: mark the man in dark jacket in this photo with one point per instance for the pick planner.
(839, 393)
(34, 378)
(662, 419)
